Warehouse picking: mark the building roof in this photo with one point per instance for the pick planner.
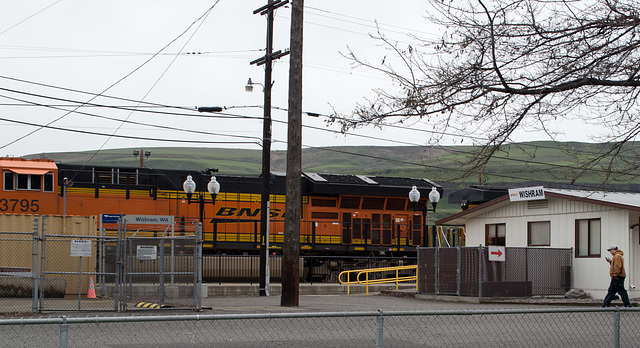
(619, 200)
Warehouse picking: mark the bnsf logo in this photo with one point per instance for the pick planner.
(246, 212)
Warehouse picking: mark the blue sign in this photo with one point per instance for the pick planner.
(110, 218)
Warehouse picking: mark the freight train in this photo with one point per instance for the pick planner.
(341, 215)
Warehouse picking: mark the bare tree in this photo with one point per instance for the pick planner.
(507, 65)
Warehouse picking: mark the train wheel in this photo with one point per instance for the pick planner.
(333, 277)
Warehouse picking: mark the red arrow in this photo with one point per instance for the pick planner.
(499, 253)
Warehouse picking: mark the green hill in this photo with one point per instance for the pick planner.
(545, 162)
(526, 164)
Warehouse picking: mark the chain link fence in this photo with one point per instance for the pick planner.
(467, 271)
(65, 264)
(577, 327)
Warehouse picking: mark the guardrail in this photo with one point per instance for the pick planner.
(380, 276)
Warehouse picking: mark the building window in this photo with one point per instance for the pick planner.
(588, 238)
(495, 234)
(539, 233)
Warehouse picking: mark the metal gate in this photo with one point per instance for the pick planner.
(64, 264)
(155, 267)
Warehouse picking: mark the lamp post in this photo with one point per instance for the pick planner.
(264, 192)
(434, 198)
(189, 187)
(266, 60)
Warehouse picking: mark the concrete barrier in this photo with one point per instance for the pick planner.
(22, 287)
(185, 291)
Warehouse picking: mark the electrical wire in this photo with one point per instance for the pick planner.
(48, 126)
(26, 19)
(394, 141)
(118, 81)
(256, 139)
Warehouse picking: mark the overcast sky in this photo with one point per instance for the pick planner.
(56, 54)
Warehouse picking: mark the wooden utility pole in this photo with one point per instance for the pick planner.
(291, 248)
(267, 60)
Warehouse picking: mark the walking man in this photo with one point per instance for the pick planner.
(617, 273)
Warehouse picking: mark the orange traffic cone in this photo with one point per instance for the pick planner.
(92, 290)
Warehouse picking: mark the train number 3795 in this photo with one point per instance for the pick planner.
(22, 205)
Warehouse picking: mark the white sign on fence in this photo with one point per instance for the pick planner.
(147, 252)
(148, 219)
(80, 248)
(496, 253)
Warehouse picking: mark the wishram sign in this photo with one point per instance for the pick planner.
(526, 193)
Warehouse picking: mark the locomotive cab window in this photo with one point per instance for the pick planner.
(9, 184)
(48, 182)
(28, 182)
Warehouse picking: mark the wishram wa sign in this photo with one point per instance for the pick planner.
(526, 193)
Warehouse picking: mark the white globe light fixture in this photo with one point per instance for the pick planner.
(434, 197)
(414, 196)
(214, 188)
(189, 187)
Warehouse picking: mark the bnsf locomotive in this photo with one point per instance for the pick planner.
(341, 214)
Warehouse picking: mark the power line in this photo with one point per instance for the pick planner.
(118, 81)
(49, 126)
(227, 115)
(368, 23)
(26, 19)
(256, 139)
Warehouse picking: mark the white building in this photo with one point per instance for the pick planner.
(586, 221)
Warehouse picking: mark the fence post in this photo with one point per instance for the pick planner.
(437, 280)
(34, 268)
(64, 333)
(458, 268)
(198, 266)
(616, 328)
(161, 269)
(418, 279)
(118, 287)
(480, 261)
(379, 329)
(42, 263)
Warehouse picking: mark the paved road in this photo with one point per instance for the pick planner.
(240, 329)
(342, 303)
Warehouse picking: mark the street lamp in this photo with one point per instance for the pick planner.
(249, 86)
(266, 176)
(189, 187)
(434, 198)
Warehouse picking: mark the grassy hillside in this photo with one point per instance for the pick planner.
(544, 162)
(524, 164)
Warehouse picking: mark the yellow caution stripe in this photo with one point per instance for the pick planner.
(150, 305)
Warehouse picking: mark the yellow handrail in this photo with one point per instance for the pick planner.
(397, 279)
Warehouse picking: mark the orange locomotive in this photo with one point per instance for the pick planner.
(341, 214)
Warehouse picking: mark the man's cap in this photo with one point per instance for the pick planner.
(612, 247)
